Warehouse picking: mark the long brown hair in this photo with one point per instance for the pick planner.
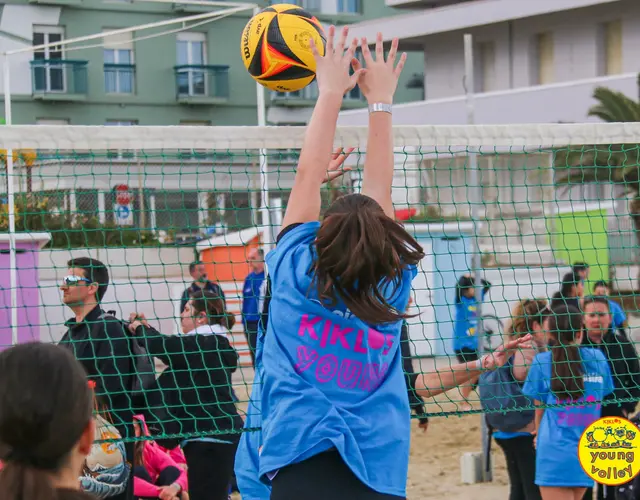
(360, 250)
(45, 407)
(213, 306)
(524, 315)
(567, 377)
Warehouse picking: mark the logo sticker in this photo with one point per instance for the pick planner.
(607, 451)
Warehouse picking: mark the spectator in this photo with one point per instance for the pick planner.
(623, 363)
(618, 316)
(581, 269)
(198, 272)
(198, 390)
(570, 293)
(46, 424)
(101, 344)
(251, 298)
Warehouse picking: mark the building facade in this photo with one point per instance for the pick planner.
(534, 62)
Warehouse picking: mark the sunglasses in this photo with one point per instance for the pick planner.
(74, 280)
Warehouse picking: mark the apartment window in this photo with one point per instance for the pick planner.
(543, 57)
(119, 67)
(610, 60)
(311, 5)
(348, 6)
(485, 67)
(48, 74)
(192, 58)
(120, 153)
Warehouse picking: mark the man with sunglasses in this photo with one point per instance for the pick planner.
(100, 343)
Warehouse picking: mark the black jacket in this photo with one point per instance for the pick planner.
(196, 387)
(624, 365)
(105, 353)
(210, 286)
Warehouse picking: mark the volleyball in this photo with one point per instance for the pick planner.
(276, 50)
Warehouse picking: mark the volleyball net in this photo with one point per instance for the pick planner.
(517, 205)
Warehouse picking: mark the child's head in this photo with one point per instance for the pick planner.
(205, 308)
(571, 286)
(465, 287)
(582, 270)
(597, 315)
(46, 422)
(358, 248)
(601, 289)
(565, 336)
(527, 317)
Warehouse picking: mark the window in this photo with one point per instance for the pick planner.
(48, 73)
(119, 68)
(311, 5)
(610, 60)
(485, 78)
(119, 153)
(348, 6)
(52, 121)
(543, 70)
(192, 58)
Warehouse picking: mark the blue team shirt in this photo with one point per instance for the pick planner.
(618, 316)
(560, 430)
(330, 380)
(247, 462)
(251, 296)
(466, 323)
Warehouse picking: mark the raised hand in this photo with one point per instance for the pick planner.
(337, 159)
(332, 69)
(501, 355)
(380, 80)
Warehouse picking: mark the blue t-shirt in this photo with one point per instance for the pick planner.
(560, 430)
(618, 316)
(247, 462)
(330, 380)
(464, 329)
(251, 296)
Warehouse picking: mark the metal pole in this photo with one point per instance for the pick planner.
(267, 239)
(13, 271)
(476, 200)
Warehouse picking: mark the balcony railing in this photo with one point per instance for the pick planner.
(119, 78)
(308, 95)
(205, 84)
(59, 79)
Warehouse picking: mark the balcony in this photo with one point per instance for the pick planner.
(55, 2)
(59, 79)
(422, 4)
(307, 97)
(202, 84)
(566, 102)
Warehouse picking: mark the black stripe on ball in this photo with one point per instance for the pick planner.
(276, 40)
(291, 73)
(298, 12)
(255, 66)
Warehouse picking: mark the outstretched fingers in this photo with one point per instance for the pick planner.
(393, 52)
(330, 35)
(343, 41)
(351, 50)
(400, 65)
(379, 48)
(366, 53)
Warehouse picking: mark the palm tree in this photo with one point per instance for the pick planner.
(615, 163)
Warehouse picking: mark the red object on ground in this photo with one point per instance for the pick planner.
(405, 213)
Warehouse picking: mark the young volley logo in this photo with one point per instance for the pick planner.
(609, 451)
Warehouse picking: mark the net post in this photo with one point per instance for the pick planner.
(267, 240)
(13, 271)
(476, 199)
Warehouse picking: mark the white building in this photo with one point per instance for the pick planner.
(534, 62)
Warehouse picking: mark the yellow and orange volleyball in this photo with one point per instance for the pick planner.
(275, 47)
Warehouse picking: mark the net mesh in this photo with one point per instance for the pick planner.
(529, 201)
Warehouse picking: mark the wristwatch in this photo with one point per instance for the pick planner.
(377, 107)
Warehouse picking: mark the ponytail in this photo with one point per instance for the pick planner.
(567, 377)
(360, 252)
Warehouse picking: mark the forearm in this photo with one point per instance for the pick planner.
(434, 383)
(378, 166)
(318, 139)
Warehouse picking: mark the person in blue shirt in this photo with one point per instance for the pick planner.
(335, 412)
(570, 374)
(618, 316)
(251, 298)
(465, 338)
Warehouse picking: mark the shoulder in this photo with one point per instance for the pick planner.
(293, 240)
(591, 354)
(542, 358)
